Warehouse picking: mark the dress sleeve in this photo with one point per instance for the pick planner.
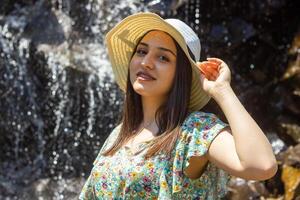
(87, 192)
(198, 132)
(200, 129)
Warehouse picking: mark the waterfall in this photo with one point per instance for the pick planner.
(59, 100)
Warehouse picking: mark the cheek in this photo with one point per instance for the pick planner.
(170, 73)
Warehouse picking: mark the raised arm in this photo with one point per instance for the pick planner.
(243, 151)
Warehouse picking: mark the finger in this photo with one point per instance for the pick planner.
(201, 66)
(211, 70)
(208, 75)
(204, 78)
(208, 70)
(217, 63)
(215, 59)
(215, 73)
(211, 64)
(212, 77)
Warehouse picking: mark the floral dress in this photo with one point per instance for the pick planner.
(129, 176)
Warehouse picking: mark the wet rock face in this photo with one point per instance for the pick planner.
(58, 100)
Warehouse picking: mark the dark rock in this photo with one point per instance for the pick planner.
(40, 32)
(58, 100)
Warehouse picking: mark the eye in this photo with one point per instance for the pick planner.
(164, 58)
(141, 51)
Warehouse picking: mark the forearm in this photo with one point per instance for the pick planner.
(252, 146)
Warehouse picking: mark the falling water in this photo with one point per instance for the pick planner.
(59, 101)
(56, 71)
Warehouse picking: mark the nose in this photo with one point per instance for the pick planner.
(147, 62)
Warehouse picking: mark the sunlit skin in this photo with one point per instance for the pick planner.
(243, 150)
(156, 55)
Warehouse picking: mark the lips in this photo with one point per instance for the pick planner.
(145, 76)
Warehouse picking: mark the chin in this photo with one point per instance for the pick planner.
(141, 90)
(146, 90)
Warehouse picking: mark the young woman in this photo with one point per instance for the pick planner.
(165, 147)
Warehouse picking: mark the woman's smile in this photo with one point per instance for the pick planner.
(153, 65)
(144, 76)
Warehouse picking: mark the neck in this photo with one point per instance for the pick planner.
(150, 106)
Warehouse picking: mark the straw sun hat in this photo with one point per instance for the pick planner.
(123, 38)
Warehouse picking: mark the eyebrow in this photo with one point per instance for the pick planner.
(161, 48)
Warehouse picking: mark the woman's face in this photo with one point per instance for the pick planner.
(153, 65)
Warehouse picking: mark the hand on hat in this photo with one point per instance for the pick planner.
(214, 73)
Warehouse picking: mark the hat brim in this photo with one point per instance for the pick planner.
(123, 38)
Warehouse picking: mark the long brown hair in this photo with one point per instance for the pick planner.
(169, 117)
